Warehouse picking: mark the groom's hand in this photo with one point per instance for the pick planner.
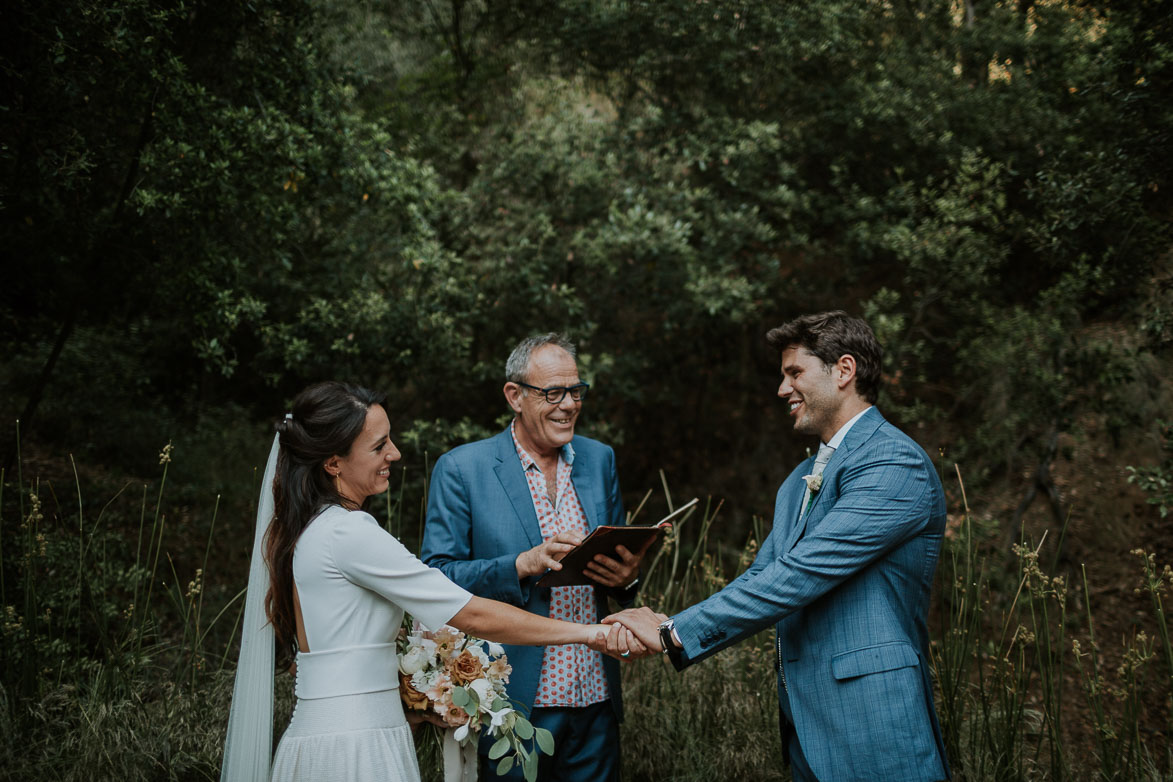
(644, 624)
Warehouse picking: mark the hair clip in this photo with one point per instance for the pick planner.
(289, 416)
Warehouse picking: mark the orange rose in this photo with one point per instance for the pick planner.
(465, 668)
(411, 697)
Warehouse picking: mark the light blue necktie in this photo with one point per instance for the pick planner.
(821, 459)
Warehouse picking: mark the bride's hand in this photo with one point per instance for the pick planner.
(415, 718)
(617, 641)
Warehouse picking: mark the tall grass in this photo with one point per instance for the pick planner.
(115, 662)
(104, 668)
(1014, 667)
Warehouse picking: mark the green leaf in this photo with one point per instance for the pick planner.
(530, 765)
(499, 748)
(523, 728)
(460, 696)
(545, 740)
(505, 765)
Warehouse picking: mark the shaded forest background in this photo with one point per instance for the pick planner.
(204, 206)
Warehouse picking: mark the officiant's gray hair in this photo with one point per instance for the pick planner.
(517, 367)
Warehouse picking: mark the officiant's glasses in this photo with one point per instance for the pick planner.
(555, 394)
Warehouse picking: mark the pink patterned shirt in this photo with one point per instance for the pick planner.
(572, 675)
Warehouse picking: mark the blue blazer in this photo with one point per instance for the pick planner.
(847, 587)
(481, 516)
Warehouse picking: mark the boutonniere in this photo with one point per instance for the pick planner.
(813, 482)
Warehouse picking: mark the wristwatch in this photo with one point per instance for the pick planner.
(668, 642)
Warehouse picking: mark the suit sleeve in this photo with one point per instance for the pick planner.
(448, 540)
(883, 501)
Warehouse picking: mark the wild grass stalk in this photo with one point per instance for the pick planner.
(198, 661)
(3, 590)
(155, 541)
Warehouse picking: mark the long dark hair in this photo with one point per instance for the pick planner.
(325, 421)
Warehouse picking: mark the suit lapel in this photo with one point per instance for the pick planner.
(859, 433)
(584, 487)
(790, 506)
(508, 470)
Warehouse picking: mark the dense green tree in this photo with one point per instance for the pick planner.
(260, 196)
(193, 181)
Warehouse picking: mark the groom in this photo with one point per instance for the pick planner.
(845, 574)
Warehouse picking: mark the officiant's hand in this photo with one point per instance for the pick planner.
(644, 624)
(617, 573)
(546, 555)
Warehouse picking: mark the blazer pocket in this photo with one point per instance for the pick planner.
(873, 659)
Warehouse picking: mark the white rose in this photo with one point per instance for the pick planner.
(484, 691)
(414, 661)
(813, 482)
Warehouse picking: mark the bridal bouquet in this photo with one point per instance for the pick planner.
(461, 680)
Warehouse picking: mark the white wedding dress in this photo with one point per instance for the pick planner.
(354, 581)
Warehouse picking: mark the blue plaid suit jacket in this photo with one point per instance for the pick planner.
(847, 587)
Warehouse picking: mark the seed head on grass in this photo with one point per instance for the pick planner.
(195, 586)
(34, 516)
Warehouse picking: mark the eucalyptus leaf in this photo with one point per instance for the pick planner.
(545, 740)
(523, 728)
(499, 748)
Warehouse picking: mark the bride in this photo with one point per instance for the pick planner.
(334, 585)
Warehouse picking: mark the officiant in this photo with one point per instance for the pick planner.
(504, 510)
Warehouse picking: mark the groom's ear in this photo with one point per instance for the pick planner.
(844, 371)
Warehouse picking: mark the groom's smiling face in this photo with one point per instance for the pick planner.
(809, 389)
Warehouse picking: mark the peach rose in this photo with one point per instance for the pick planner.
(455, 717)
(411, 697)
(465, 668)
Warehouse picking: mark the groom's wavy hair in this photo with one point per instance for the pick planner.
(325, 420)
(830, 335)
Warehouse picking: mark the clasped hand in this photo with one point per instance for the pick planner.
(629, 634)
(642, 623)
(617, 641)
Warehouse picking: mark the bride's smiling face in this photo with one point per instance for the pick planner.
(366, 469)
